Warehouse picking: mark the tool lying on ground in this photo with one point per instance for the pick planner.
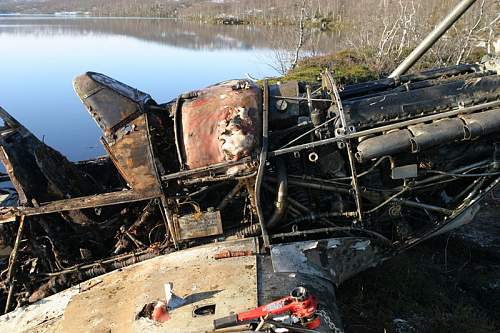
(299, 308)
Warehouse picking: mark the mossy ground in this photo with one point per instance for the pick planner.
(347, 68)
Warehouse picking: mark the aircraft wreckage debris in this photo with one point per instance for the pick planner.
(416, 159)
(324, 182)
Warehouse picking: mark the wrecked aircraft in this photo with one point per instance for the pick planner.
(299, 184)
(332, 180)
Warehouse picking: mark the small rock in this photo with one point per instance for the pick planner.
(402, 326)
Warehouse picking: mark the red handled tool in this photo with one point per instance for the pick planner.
(300, 306)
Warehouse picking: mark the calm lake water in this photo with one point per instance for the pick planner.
(41, 55)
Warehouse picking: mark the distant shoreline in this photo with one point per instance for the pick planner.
(216, 20)
(85, 16)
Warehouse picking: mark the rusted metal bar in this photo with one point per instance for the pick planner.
(177, 110)
(295, 98)
(316, 186)
(167, 216)
(262, 164)
(107, 199)
(13, 264)
(433, 208)
(231, 254)
(212, 167)
(347, 129)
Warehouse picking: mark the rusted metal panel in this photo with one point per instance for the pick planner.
(4, 158)
(109, 102)
(120, 112)
(197, 225)
(222, 123)
(38, 172)
(131, 152)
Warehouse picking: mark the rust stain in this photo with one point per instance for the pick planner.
(231, 254)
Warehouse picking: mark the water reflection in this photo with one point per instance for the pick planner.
(178, 33)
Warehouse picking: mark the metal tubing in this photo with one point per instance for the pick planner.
(281, 198)
(206, 169)
(348, 146)
(330, 230)
(433, 37)
(414, 204)
(459, 170)
(317, 186)
(262, 164)
(316, 216)
(294, 204)
(229, 197)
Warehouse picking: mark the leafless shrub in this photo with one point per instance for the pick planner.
(286, 57)
(394, 28)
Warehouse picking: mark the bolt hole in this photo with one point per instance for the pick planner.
(204, 310)
(313, 157)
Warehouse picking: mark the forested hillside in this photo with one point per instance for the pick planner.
(262, 10)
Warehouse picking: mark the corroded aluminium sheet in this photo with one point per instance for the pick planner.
(112, 305)
(43, 316)
(38, 172)
(334, 259)
(111, 302)
(220, 124)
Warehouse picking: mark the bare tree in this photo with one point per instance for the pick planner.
(300, 42)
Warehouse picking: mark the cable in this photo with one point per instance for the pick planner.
(387, 201)
(310, 131)
(380, 160)
(487, 174)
